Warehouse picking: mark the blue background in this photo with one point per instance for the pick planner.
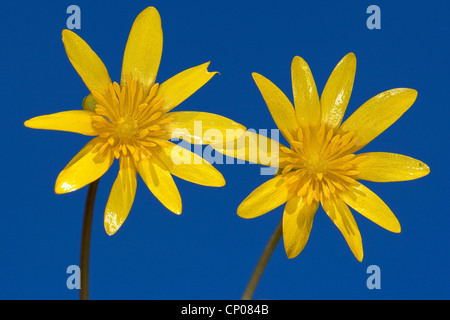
(208, 252)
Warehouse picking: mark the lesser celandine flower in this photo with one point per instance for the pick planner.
(321, 166)
(132, 122)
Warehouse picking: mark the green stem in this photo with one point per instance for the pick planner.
(263, 260)
(86, 240)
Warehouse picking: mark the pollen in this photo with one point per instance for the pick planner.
(319, 164)
(129, 119)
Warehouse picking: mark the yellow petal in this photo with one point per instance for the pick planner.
(121, 197)
(201, 127)
(181, 86)
(280, 107)
(337, 91)
(306, 98)
(158, 179)
(144, 48)
(266, 197)
(78, 121)
(297, 223)
(254, 148)
(340, 214)
(189, 166)
(388, 167)
(377, 114)
(86, 62)
(372, 207)
(87, 166)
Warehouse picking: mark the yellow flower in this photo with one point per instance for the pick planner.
(321, 165)
(133, 123)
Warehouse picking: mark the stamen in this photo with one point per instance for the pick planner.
(300, 135)
(116, 153)
(287, 168)
(148, 143)
(151, 93)
(112, 114)
(321, 134)
(103, 148)
(105, 134)
(157, 133)
(326, 191)
(166, 120)
(99, 125)
(151, 119)
(288, 135)
(154, 127)
(128, 119)
(318, 159)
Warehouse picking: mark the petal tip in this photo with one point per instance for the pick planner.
(424, 168)
(32, 123)
(412, 93)
(255, 75)
(150, 8)
(110, 231)
(350, 61)
(350, 58)
(211, 73)
(219, 181)
(149, 11)
(239, 211)
(299, 61)
(111, 222)
(259, 79)
(175, 207)
(243, 212)
(396, 228)
(64, 187)
(290, 254)
(67, 33)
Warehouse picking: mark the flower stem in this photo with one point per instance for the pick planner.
(86, 240)
(263, 260)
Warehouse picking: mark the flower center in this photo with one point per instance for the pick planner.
(319, 163)
(126, 127)
(315, 164)
(129, 119)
